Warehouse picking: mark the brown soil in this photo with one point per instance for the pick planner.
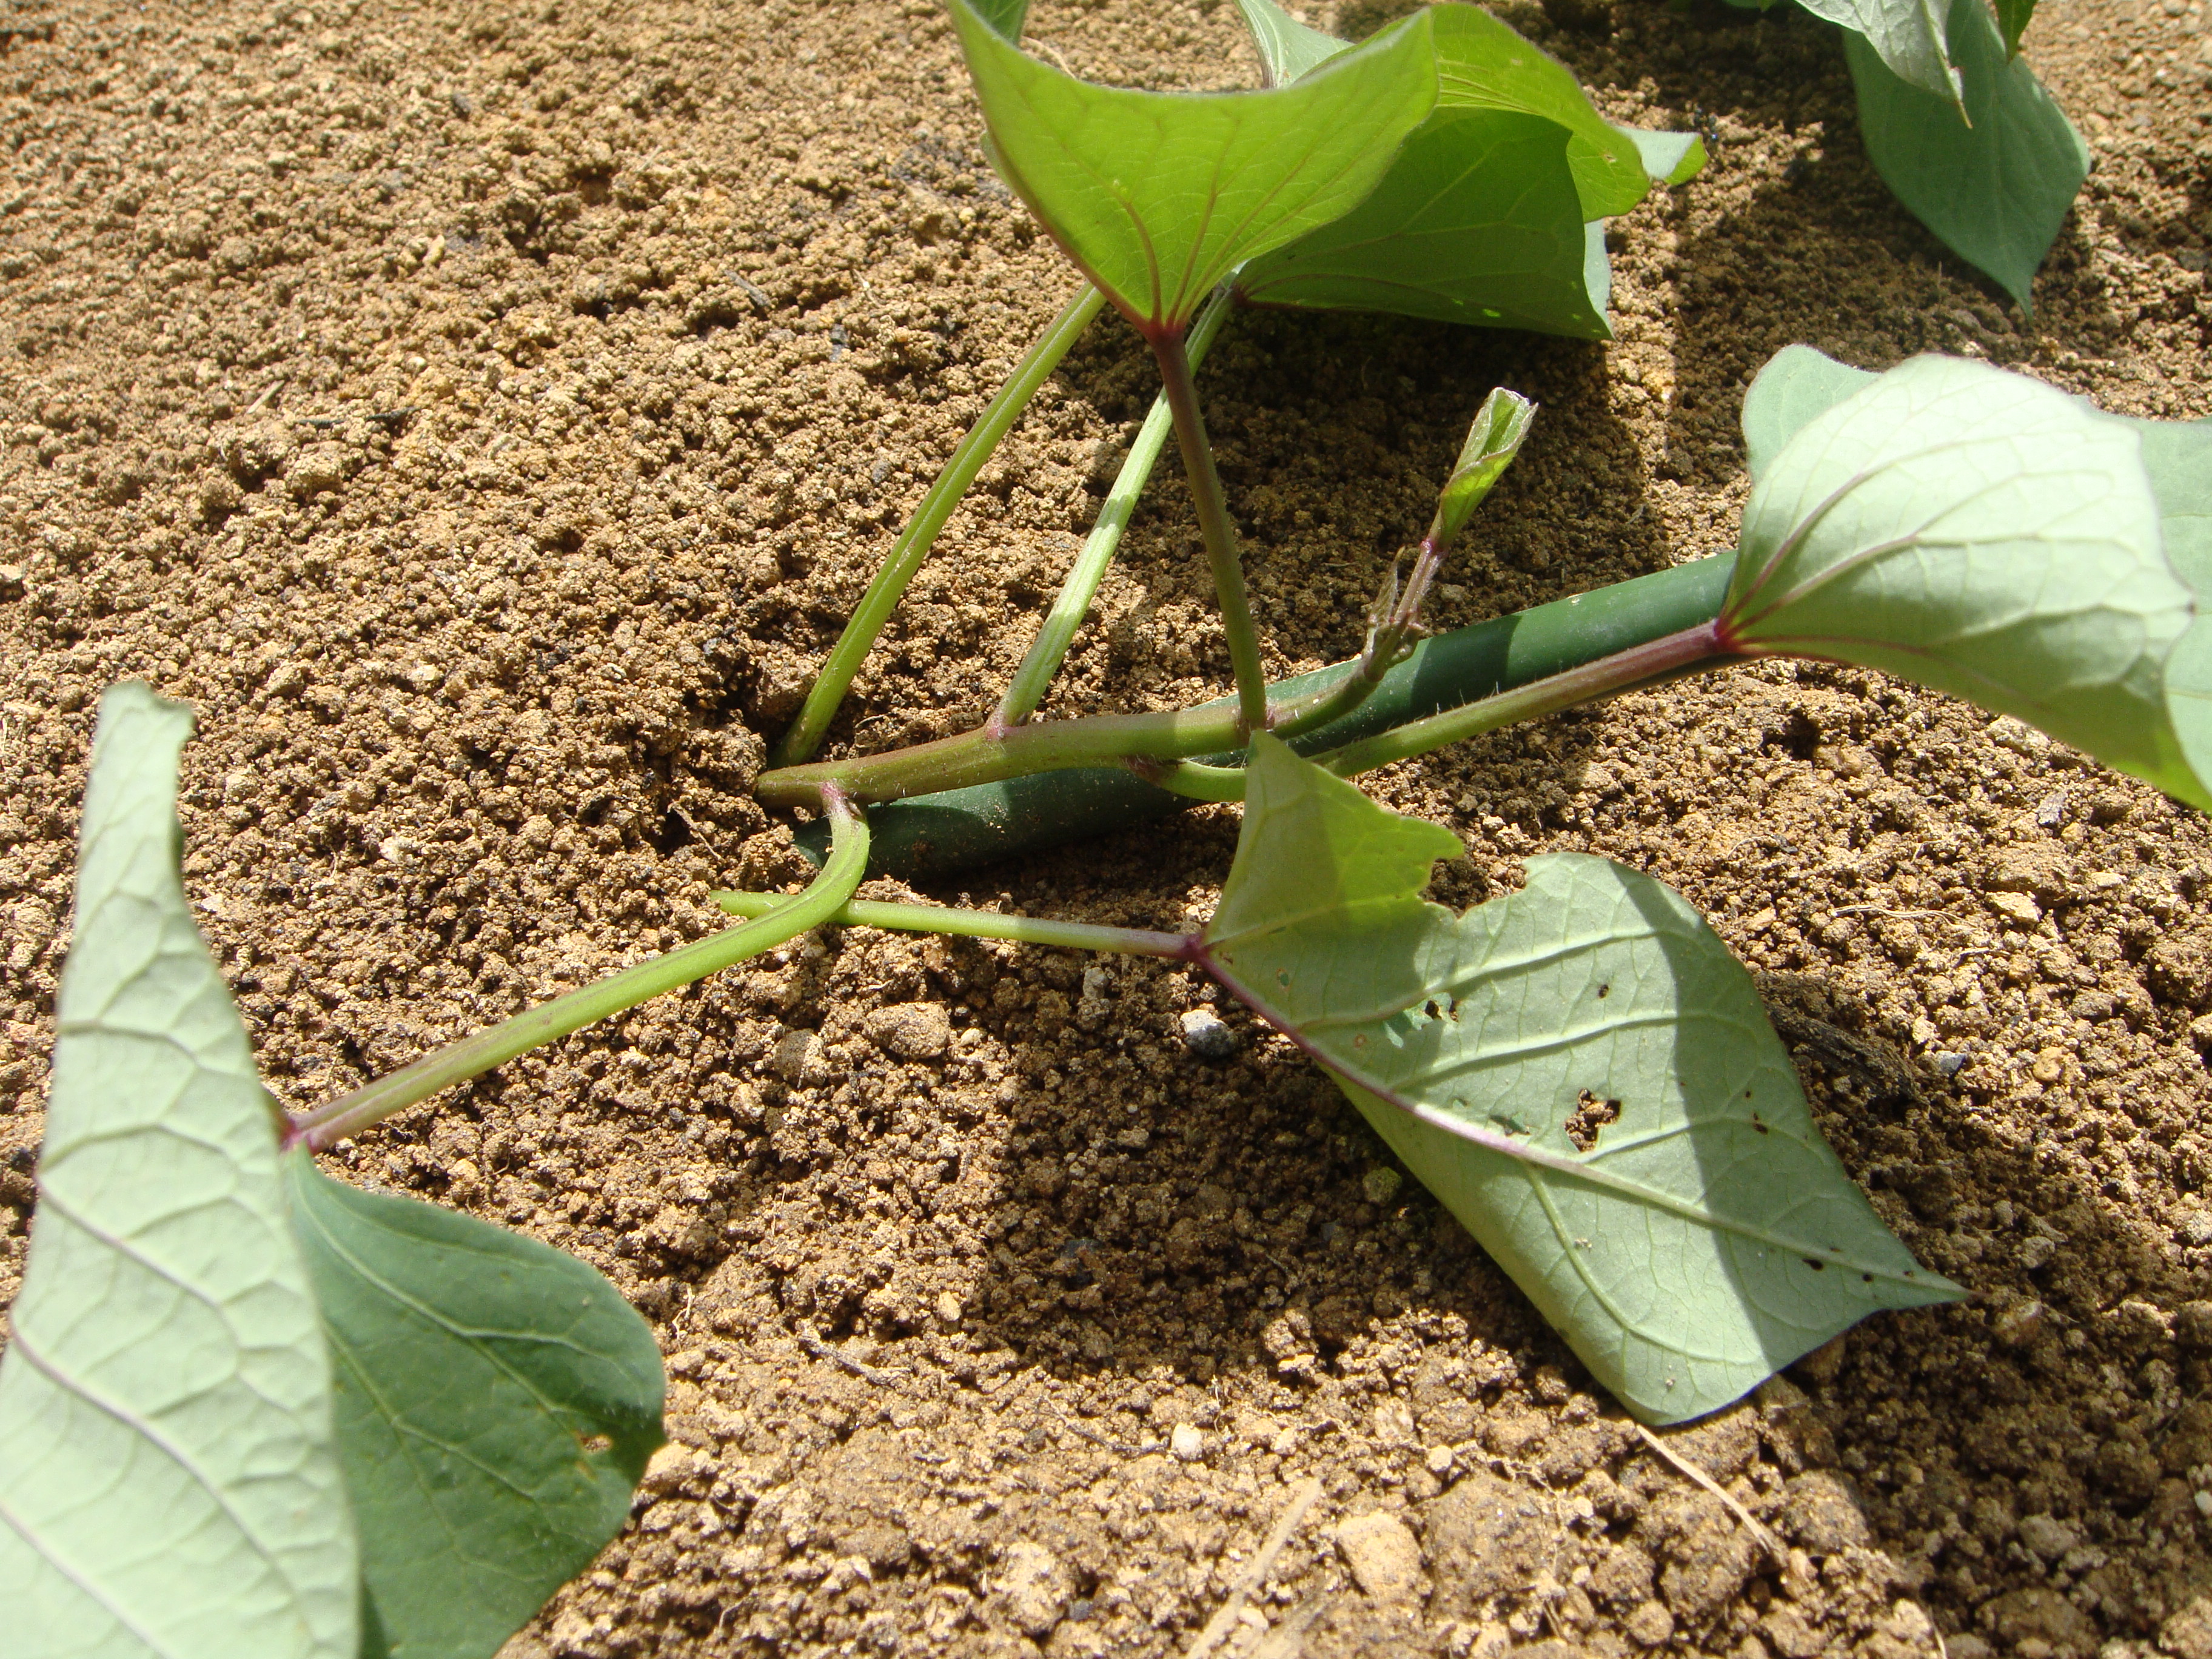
(483, 414)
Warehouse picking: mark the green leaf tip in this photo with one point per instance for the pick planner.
(1288, 48)
(1670, 158)
(169, 1476)
(1908, 37)
(1978, 531)
(1495, 438)
(1159, 196)
(1581, 1074)
(496, 1402)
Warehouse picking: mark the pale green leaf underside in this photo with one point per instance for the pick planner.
(1287, 48)
(2177, 455)
(1677, 1256)
(1478, 222)
(496, 1402)
(1797, 384)
(1669, 158)
(169, 1480)
(1159, 196)
(1979, 532)
(1996, 191)
(1908, 36)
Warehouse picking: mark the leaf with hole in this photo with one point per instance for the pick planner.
(497, 1400)
(1979, 532)
(169, 1475)
(1582, 1074)
(1994, 183)
(1159, 196)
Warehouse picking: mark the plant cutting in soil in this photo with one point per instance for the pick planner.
(1578, 1070)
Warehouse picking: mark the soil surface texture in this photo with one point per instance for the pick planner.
(484, 414)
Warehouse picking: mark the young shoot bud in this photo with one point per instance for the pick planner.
(1491, 442)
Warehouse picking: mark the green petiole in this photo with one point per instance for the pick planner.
(1703, 646)
(912, 546)
(979, 924)
(325, 1126)
(1181, 393)
(1034, 677)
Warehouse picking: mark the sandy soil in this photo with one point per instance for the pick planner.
(483, 415)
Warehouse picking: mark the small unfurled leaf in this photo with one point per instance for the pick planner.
(169, 1479)
(1478, 222)
(1670, 158)
(1494, 439)
(2013, 17)
(1995, 191)
(1909, 36)
(1159, 196)
(1981, 533)
(1580, 1073)
(1287, 48)
(496, 1402)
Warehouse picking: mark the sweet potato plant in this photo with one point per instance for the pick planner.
(249, 1410)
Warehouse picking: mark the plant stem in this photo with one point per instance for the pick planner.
(983, 756)
(1703, 647)
(1181, 391)
(982, 924)
(1034, 677)
(957, 830)
(913, 544)
(1195, 781)
(471, 1056)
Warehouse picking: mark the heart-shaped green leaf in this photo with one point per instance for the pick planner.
(1159, 196)
(1581, 1074)
(1993, 184)
(1480, 219)
(1483, 64)
(1906, 36)
(496, 1402)
(1981, 533)
(1478, 222)
(169, 1477)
